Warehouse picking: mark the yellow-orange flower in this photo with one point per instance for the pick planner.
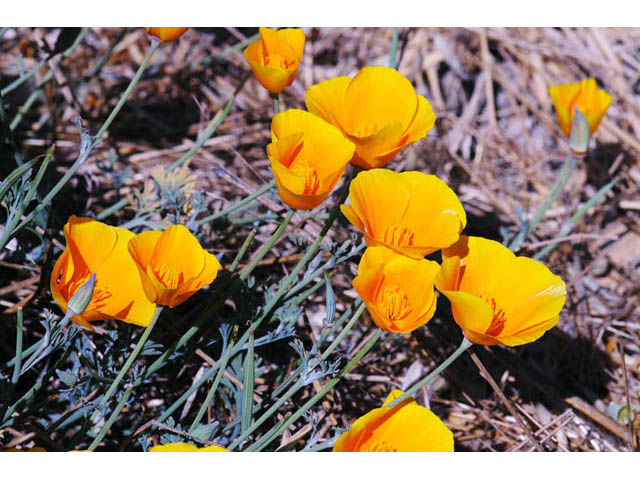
(275, 57)
(497, 297)
(397, 290)
(378, 110)
(93, 247)
(592, 102)
(407, 427)
(410, 212)
(172, 264)
(166, 34)
(185, 447)
(308, 157)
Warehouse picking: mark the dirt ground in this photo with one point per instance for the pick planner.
(496, 142)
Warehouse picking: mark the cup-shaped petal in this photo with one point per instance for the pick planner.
(378, 109)
(407, 427)
(592, 102)
(410, 212)
(497, 297)
(185, 447)
(172, 264)
(397, 290)
(275, 57)
(308, 157)
(166, 34)
(94, 247)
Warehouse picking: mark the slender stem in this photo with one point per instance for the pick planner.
(19, 81)
(283, 398)
(112, 209)
(242, 251)
(238, 205)
(18, 357)
(154, 45)
(267, 247)
(214, 387)
(132, 357)
(321, 393)
(213, 125)
(112, 418)
(393, 49)
(87, 151)
(276, 103)
(463, 346)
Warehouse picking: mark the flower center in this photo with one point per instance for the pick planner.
(381, 446)
(310, 175)
(394, 303)
(364, 129)
(499, 317)
(398, 235)
(277, 60)
(170, 277)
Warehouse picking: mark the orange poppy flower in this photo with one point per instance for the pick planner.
(378, 110)
(166, 34)
(172, 264)
(397, 290)
(275, 57)
(410, 212)
(497, 297)
(592, 102)
(185, 447)
(93, 247)
(308, 157)
(407, 427)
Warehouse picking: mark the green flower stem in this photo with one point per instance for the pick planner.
(566, 230)
(84, 154)
(30, 100)
(154, 45)
(557, 188)
(242, 251)
(112, 209)
(14, 215)
(125, 368)
(18, 357)
(20, 80)
(297, 386)
(112, 418)
(393, 49)
(222, 366)
(321, 393)
(226, 52)
(238, 205)
(459, 351)
(267, 247)
(276, 103)
(212, 126)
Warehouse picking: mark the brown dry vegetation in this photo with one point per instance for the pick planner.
(496, 143)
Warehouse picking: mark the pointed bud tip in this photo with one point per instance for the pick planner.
(579, 139)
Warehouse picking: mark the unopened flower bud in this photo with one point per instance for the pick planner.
(80, 300)
(579, 139)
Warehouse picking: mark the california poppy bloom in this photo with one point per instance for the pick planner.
(592, 102)
(94, 247)
(172, 264)
(308, 157)
(185, 447)
(497, 297)
(378, 110)
(166, 34)
(407, 427)
(275, 57)
(397, 290)
(410, 212)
